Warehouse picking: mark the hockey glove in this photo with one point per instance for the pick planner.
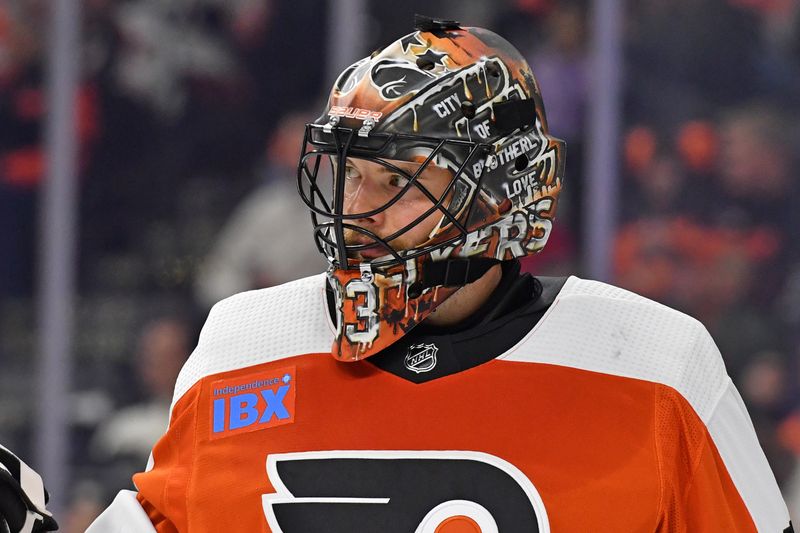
(22, 498)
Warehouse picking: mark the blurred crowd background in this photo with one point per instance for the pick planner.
(189, 119)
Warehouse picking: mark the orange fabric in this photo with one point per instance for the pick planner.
(698, 494)
(165, 488)
(160, 522)
(605, 453)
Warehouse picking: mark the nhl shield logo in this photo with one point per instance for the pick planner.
(421, 357)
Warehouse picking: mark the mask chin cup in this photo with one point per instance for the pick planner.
(376, 307)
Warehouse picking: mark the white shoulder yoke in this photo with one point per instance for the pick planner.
(601, 328)
(598, 327)
(259, 326)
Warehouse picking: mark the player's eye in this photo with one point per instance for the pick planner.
(398, 181)
(351, 172)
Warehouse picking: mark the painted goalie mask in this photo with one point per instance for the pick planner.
(458, 102)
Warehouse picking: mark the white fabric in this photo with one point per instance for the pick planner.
(258, 326)
(736, 441)
(601, 328)
(124, 515)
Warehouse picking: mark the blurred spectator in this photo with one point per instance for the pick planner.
(163, 347)
(249, 252)
(659, 188)
(697, 143)
(668, 179)
(755, 162)
(22, 154)
(759, 188)
(765, 389)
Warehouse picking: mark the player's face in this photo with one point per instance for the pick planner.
(370, 185)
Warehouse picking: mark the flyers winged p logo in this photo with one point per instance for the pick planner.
(400, 492)
(393, 78)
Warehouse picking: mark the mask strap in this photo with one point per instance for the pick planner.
(452, 273)
(511, 115)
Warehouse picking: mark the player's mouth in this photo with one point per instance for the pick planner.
(371, 250)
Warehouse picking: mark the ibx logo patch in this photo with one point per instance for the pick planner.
(421, 357)
(253, 402)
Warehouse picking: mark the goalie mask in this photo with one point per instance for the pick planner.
(445, 131)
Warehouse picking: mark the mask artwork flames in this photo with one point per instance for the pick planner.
(447, 90)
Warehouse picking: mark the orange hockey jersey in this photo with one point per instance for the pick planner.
(612, 414)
